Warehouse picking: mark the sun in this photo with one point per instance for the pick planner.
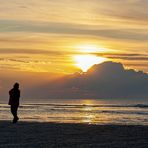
(84, 62)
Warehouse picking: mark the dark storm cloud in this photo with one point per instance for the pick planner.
(106, 80)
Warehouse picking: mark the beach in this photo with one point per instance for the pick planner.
(68, 135)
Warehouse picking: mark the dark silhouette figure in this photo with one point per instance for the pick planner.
(14, 94)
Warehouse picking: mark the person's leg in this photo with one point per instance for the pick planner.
(14, 113)
(12, 110)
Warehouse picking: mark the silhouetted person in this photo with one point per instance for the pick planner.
(14, 94)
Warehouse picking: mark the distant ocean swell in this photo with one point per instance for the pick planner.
(81, 113)
(76, 106)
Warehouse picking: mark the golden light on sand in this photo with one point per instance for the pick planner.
(84, 62)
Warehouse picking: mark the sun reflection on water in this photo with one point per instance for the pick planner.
(88, 116)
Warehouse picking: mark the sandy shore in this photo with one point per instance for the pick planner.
(54, 135)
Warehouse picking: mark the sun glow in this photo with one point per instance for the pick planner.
(88, 48)
(86, 61)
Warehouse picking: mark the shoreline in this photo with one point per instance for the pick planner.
(65, 135)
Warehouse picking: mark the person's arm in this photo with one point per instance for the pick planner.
(9, 102)
(19, 94)
(9, 92)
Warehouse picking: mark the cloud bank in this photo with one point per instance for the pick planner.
(108, 80)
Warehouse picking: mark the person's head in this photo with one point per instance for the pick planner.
(16, 86)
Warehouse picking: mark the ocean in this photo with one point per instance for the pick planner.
(85, 111)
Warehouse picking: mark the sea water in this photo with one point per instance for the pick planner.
(86, 111)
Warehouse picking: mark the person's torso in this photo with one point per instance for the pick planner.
(14, 96)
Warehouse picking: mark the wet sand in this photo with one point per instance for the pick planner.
(59, 135)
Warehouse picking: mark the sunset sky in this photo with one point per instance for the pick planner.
(43, 40)
(50, 36)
